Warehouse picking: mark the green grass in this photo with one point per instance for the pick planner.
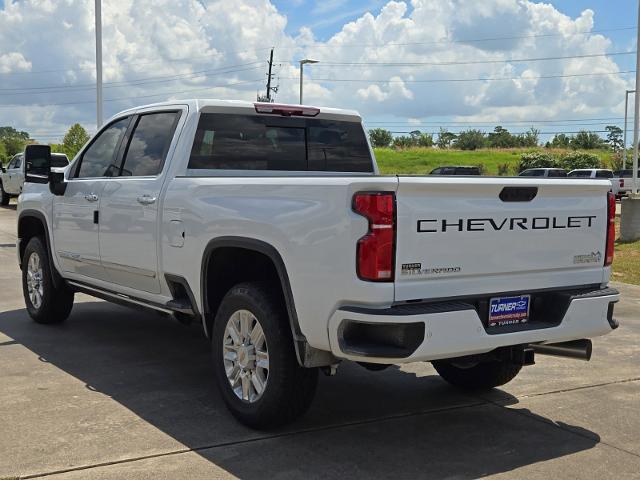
(420, 161)
(626, 262)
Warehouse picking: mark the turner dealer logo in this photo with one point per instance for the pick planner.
(506, 224)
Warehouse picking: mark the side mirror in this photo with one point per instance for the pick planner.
(57, 185)
(37, 163)
(4, 170)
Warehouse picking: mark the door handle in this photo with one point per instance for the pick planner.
(91, 198)
(146, 199)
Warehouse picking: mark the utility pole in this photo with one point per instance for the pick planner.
(267, 97)
(98, 13)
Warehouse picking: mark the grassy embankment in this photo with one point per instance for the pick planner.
(420, 161)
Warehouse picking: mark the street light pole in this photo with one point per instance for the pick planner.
(624, 141)
(98, 13)
(636, 120)
(302, 63)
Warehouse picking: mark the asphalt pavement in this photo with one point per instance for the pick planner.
(117, 393)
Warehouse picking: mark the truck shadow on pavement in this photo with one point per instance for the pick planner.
(361, 425)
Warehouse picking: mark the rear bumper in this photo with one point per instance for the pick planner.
(432, 331)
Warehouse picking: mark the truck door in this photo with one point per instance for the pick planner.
(129, 222)
(76, 213)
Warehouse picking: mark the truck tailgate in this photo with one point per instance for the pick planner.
(468, 236)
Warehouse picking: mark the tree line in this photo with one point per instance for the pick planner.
(13, 141)
(500, 137)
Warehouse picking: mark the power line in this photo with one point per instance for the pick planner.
(6, 105)
(472, 62)
(459, 80)
(127, 83)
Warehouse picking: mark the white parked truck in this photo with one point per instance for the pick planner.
(271, 226)
(12, 177)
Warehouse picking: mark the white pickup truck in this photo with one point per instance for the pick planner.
(270, 225)
(12, 177)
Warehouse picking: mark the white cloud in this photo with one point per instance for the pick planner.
(205, 43)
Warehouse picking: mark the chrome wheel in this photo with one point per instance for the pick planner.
(246, 357)
(35, 283)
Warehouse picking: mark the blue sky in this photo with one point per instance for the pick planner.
(450, 75)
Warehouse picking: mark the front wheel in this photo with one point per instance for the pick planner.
(4, 196)
(477, 376)
(255, 363)
(45, 303)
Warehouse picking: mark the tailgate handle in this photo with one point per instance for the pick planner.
(518, 194)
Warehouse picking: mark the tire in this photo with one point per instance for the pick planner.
(4, 196)
(288, 388)
(481, 376)
(45, 303)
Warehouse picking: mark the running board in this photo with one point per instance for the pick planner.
(121, 298)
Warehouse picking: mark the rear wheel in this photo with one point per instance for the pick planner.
(45, 303)
(4, 196)
(255, 363)
(478, 375)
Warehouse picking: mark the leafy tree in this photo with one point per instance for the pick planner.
(420, 139)
(4, 158)
(74, 139)
(380, 137)
(445, 138)
(536, 160)
(614, 137)
(575, 160)
(560, 141)
(529, 139)
(403, 142)
(470, 140)
(13, 141)
(586, 140)
(501, 138)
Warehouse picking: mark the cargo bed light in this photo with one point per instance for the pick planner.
(286, 110)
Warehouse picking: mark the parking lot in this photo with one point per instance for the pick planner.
(116, 393)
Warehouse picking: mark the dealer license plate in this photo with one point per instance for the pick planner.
(508, 310)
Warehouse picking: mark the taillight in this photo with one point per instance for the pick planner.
(621, 181)
(375, 252)
(611, 228)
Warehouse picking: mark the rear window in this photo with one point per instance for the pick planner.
(582, 174)
(59, 161)
(250, 142)
(532, 173)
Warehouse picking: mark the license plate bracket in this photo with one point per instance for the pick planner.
(511, 310)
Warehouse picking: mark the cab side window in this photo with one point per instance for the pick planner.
(149, 144)
(99, 159)
(17, 161)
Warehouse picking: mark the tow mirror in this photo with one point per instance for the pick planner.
(37, 163)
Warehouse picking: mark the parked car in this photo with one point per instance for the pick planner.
(460, 170)
(597, 174)
(625, 179)
(12, 178)
(270, 226)
(544, 172)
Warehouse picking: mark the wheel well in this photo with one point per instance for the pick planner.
(29, 227)
(228, 266)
